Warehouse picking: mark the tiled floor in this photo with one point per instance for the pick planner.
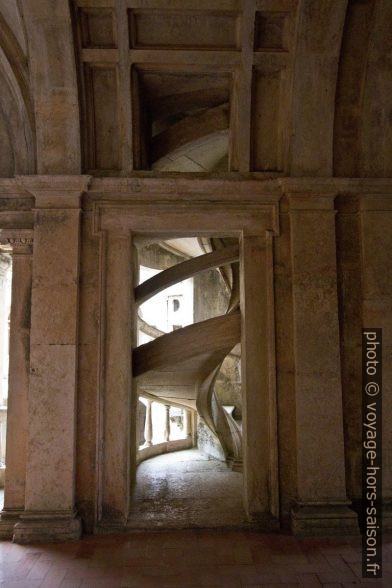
(186, 489)
(181, 559)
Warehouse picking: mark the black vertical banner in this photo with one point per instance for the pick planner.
(372, 453)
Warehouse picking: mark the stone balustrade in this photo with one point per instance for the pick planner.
(153, 445)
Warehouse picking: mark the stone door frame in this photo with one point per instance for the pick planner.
(117, 221)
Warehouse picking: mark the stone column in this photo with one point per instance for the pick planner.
(148, 426)
(188, 423)
(166, 433)
(50, 470)
(18, 384)
(376, 256)
(259, 450)
(322, 505)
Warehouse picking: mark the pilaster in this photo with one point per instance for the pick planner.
(49, 513)
(322, 506)
(117, 451)
(376, 262)
(260, 481)
(19, 242)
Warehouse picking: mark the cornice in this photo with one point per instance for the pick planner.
(334, 185)
(59, 189)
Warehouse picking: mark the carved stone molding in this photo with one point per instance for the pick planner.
(17, 240)
(183, 208)
(319, 185)
(181, 218)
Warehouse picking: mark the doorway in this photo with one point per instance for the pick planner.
(123, 226)
(184, 282)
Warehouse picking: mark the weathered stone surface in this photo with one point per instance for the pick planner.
(251, 103)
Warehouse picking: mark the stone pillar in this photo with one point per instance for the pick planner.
(148, 426)
(188, 423)
(376, 247)
(194, 419)
(50, 470)
(18, 385)
(259, 450)
(322, 505)
(5, 262)
(166, 433)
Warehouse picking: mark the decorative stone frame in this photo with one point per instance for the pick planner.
(254, 219)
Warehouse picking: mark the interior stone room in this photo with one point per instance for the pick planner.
(195, 226)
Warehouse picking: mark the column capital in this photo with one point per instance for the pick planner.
(55, 191)
(311, 200)
(18, 241)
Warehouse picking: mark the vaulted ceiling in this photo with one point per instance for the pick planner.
(272, 87)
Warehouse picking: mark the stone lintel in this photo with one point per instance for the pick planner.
(44, 527)
(55, 191)
(324, 518)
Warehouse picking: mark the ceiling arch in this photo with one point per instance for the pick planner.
(54, 85)
(16, 111)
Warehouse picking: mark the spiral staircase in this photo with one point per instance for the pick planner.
(183, 366)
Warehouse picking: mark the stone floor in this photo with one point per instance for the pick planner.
(176, 490)
(186, 489)
(193, 558)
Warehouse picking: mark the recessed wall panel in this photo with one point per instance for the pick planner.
(271, 31)
(97, 28)
(266, 121)
(186, 29)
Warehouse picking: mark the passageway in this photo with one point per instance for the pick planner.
(186, 489)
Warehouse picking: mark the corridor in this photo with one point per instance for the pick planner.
(186, 489)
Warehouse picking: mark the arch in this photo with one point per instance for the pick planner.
(316, 58)
(54, 85)
(15, 105)
(376, 134)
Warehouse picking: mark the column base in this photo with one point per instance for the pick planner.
(235, 464)
(46, 527)
(8, 520)
(318, 519)
(264, 521)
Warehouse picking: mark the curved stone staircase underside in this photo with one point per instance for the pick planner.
(183, 365)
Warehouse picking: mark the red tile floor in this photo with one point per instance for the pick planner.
(189, 558)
